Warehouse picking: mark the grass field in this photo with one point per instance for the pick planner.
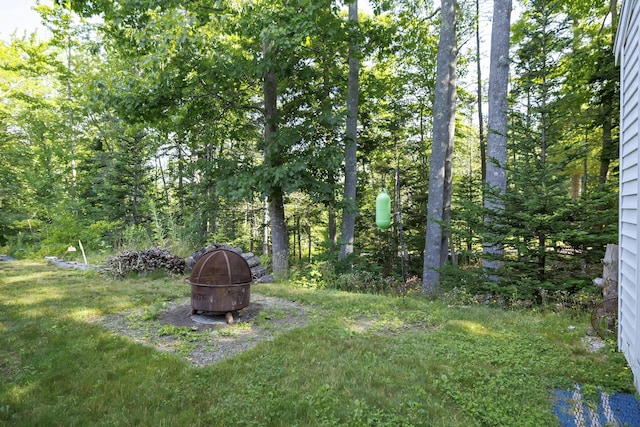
(361, 360)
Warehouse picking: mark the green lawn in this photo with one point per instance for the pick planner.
(361, 360)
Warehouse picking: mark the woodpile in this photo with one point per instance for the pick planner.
(143, 262)
(258, 272)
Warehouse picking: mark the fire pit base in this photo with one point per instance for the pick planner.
(219, 299)
(205, 319)
(212, 318)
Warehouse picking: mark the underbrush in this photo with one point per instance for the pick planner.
(459, 288)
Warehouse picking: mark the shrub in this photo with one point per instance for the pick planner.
(369, 283)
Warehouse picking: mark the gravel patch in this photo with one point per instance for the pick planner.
(170, 327)
(593, 344)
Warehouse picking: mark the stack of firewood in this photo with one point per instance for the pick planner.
(144, 261)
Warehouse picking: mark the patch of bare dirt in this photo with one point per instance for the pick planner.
(170, 327)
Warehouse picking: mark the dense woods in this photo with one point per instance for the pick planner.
(273, 125)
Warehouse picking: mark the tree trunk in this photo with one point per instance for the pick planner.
(265, 227)
(332, 217)
(496, 178)
(180, 175)
(483, 148)
(443, 133)
(136, 181)
(331, 177)
(279, 244)
(72, 133)
(299, 231)
(448, 178)
(349, 210)
(293, 234)
(165, 187)
(309, 233)
(576, 184)
(404, 254)
(252, 227)
(609, 280)
(613, 8)
(542, 256)
(609, 149)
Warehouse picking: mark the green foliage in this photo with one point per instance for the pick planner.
(368, 282)
(355, 263)
(146, 128)
(471, 278)
(67, 226)
(22, 244)
(569, 293)
(134, 237)
(350, 275)
(594, 221)
(99, 235)
(317, 275)
(152, 313)
(560, 207)
(166, 233)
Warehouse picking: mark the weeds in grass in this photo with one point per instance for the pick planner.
(234, 330)
(152, 313)
(178, 331)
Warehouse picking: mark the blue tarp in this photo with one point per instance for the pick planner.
(618, 409)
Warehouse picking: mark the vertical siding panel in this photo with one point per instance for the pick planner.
(628, 55)
(634, 300)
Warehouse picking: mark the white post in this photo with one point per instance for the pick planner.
(83, 254)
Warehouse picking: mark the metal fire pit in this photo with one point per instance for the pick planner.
(220, 283)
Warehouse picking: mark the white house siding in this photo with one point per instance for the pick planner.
(627, 49)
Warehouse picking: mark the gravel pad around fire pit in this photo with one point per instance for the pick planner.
(170, 327)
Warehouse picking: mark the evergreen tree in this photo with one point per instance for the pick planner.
(539, 185)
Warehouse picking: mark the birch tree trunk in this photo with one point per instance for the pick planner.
(483, 148)
(443, 133)
(496, 178)
(349, 210)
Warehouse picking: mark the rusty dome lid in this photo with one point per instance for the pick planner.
(221, 267)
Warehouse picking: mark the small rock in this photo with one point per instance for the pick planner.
(593, 344)
(267, 278)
